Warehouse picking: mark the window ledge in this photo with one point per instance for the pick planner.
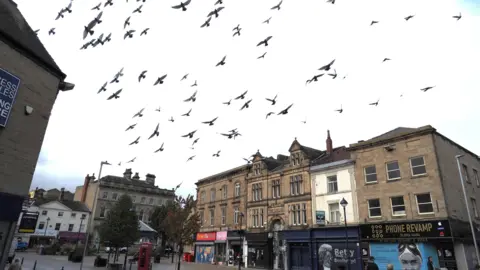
(426, 214)
(399, 216)
(394, 180)
(379, 217)
(371, 183)
(419, 176)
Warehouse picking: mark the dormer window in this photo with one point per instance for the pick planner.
(296, 159)
(256, 169)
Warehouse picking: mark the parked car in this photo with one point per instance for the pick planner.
(111, 249)
(22, 246)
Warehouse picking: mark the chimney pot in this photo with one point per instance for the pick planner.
(150, 178)
(329, 143)
(128, 174)
(62, 194)
(85, 188)
(136, 177)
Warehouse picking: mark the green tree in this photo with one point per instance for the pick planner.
(121, 226)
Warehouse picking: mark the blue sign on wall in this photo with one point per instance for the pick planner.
(404, 255)
(8, 91)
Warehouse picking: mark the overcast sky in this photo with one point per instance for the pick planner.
(431, 49)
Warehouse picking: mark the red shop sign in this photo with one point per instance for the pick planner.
(208, 236)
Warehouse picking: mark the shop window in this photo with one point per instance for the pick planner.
(417, 166)
(374, 209)
(370, 174)
(424, 203)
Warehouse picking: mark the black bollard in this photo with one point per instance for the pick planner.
(35, 265)
(22, 261)
(131, 262)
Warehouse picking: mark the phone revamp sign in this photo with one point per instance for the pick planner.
(8, 91)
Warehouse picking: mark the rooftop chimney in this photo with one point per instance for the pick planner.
(329, 143)
(150, 179)
(85, 188)
(62, 194)
(136, 177)
(128, 174)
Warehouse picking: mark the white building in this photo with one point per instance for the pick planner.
(330, 183)
(63, 220)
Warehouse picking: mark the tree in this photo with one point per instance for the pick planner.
(179, 221)
(121, 227)
(158, 216)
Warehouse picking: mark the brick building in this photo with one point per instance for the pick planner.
(408, 178)
(29, 83)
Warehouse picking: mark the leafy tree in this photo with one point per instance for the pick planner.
(121, 226)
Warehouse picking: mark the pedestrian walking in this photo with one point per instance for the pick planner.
(15, 265)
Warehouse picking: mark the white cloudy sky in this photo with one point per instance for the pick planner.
(432, 49)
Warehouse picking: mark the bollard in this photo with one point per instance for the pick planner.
(22, 261)
(131, 262)
(35, 265)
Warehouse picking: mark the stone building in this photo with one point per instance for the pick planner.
(100, 196)
(29, 84)
(410, 176)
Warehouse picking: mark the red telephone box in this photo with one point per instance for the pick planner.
(144, 256)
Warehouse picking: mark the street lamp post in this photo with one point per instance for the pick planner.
(241, 232)
(46, 227)
(457, 157)
(344, 204)
(79, 231)
(101, 167)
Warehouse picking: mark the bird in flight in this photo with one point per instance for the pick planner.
(222, 62)
(273, 100)
(115, 95)
(314, 78)
(237, 33)
(340, 110)
(160, 149)
(159, 109)
(458, 17)
(427, 88)
(99, 16)
(206, 23)
(268, 114)
(139, 9)
(331, 1)
(237, 28)
(373, 22)
(130, 161)
(188, 113)
(304, 121)
(183, 5)
(216, 154)
(386, 59)
(215, 12)
(409, 17)
(247, 160)
(267, 21)
(242, 96)
(51, 31)
(264, 42)
(130, 127)
(219, 2)
(374, 103)
(334, 74)
(103, 88)
(139, 113)
(142, 75)
(171, 119)
(328, 66)
(69, 7)
(190, 158)
(195, 141)
(117, 76)
(126, 23)
(227, 103)
(189, 135)
(262, 56)
(246, 105)
(277, 7)
(97, 7)
(285, 111)
(211, 122)
(160, 80)
(145, 31)
(155, 132)
(184, 77)
(136, 141)
(195, 84)
(192, 98)
(108, 3)
(129, 34)
(88, 30)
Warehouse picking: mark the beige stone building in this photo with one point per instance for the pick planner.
(411, 175)
(100, 195)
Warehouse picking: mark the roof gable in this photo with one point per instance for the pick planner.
(55, 205)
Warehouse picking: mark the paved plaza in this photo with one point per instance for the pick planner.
(46, 262)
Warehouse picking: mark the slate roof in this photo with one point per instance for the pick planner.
(223, 174)
(74, 205)
(15, 30)
(133, 182)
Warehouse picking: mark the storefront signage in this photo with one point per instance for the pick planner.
(28, 223)
(407, 230)
(209, 236)
(221, 236)
(332, 255)
(8, 91)
(45, 232)
(320, 217)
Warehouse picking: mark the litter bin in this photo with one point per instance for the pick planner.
(185, 257)
(190, 257)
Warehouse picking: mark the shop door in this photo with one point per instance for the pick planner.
(299, 256)
(204, 254)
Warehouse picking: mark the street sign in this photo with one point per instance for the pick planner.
(9, 84)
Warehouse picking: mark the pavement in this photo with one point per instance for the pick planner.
(49, 262)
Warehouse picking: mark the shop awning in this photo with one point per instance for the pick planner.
(71, 235)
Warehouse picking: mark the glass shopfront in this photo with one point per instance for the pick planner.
(259, 250)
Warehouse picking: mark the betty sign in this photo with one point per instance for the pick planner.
(8, 92)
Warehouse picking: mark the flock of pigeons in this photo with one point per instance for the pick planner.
(89, 30)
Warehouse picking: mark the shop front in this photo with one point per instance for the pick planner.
(221, 247)
(330, 250)
(71, 237)
(408, 245)
(234, 246)
(298, 249)
(205, 247)
(260, 250)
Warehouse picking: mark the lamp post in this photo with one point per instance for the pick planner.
(101, 167)
(241, 232)
(344, 204)
(46, 227)
(79, 230)
(92, 212)
(457, 157)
